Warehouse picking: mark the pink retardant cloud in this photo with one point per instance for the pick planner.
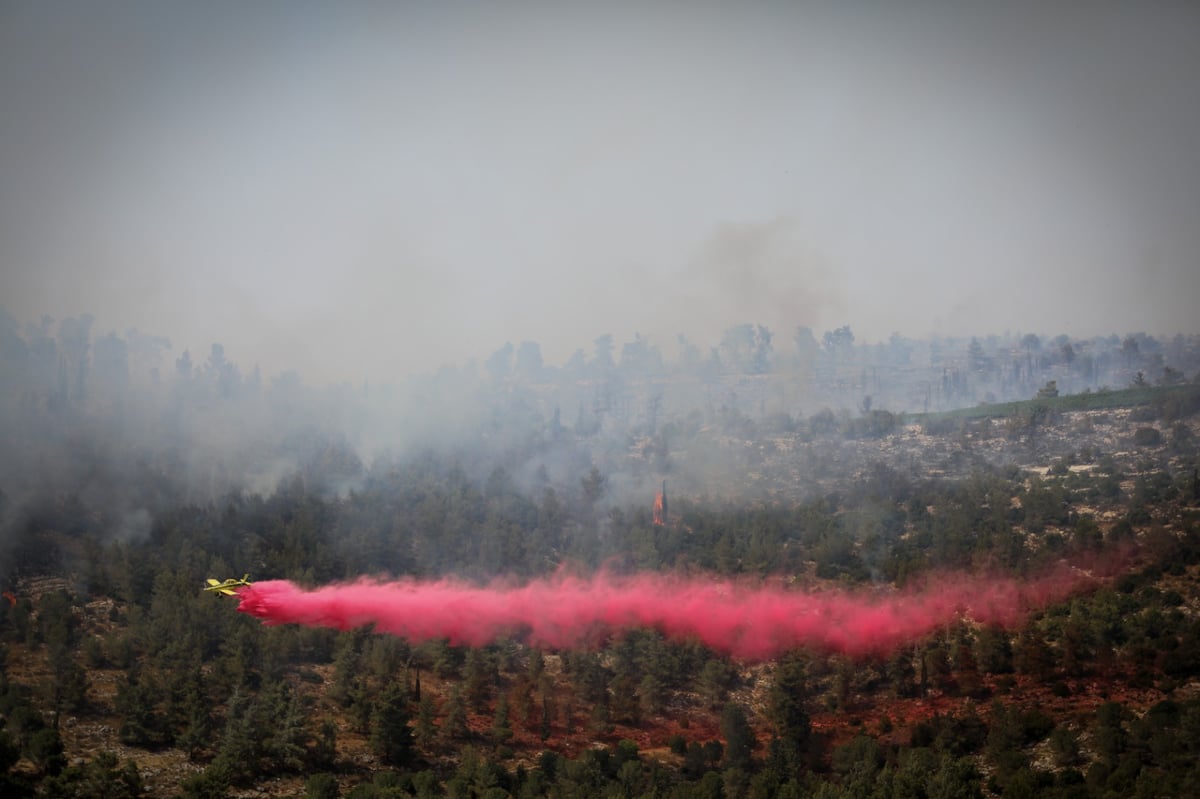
(751, 622)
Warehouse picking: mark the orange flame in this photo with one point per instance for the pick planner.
(659, 516)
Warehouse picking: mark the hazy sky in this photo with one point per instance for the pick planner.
(355, 189)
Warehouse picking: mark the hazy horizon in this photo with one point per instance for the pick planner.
(366, 190)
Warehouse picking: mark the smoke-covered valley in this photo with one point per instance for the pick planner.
(117, 428)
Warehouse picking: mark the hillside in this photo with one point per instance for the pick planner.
(120, 672)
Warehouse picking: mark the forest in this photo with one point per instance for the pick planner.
(124, 486)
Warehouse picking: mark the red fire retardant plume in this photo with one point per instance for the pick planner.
(747, 622)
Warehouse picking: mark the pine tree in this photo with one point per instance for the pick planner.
(282, 716)
(142, 724)
(325, 752)
(501, 726)
(715, 679)
(478, 678)
(786, 703)
(193, 710)
(391, 734)
(240, 751)
(454, 725)
(739, 738)
(425, 730)
(544, 727)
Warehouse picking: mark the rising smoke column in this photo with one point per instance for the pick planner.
(745, 621)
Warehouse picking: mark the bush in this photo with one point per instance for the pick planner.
(1035, 725)
(321, 786)
(1147, 437)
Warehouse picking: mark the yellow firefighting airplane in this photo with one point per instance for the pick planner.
(227, 588)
